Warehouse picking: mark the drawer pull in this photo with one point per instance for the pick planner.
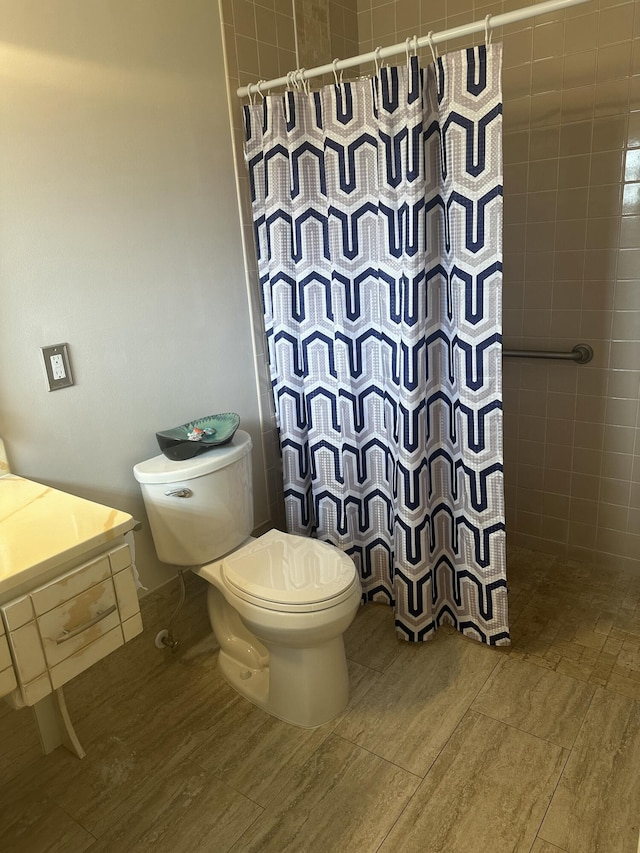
(68, 635)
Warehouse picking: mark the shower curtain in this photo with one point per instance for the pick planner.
(378, 216)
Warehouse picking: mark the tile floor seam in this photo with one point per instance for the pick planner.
(425, 803)
(214, 774)
(555, 847)
(327, 792)
(377, 755)
(218, 776)
(387, 666)
(250, 825)
(136, 801)
(78, 823)
(451, 734)
(616, 671)
(499, 662)
(406, 805)
(555, 788)
(524, 731)
(207, 774)
(390, 830)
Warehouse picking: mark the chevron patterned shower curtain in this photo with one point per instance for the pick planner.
(378, 219)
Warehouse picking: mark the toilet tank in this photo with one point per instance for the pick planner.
(199, 508)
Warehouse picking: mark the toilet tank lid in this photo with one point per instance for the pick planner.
(159, 469)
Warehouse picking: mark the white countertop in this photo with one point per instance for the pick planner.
(41, 528)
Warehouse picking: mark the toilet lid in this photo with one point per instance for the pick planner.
(291, 570)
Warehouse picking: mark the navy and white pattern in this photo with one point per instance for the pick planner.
(378, 219)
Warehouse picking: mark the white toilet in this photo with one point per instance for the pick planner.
(278, 605)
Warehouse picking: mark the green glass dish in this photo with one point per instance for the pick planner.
(176, 444)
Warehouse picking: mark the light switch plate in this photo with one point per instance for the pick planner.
(57, 367)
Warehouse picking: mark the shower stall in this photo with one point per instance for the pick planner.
(571, 102)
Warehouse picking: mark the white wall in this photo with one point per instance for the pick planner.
(119, 234)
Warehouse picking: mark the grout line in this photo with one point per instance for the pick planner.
(555, 788)
(377, 755)
(75, 820)
(564, 767)
(566, 749)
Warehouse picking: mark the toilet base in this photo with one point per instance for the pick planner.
(304, 687)
(253, 684)
(293, 665)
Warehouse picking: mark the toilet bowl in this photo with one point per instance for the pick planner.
(281, 632)
(278, 605)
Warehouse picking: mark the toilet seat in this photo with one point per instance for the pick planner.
(281, 571)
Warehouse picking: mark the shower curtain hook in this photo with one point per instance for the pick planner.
(415, 45)
(407, 43)
(488, 32)
(250, 94)
(306, 87)
(335, 71)
(259, 88)
(377, 59)
(434, 49)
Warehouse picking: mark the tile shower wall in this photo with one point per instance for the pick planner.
(571, 241)
(571, 264)
(260, 44)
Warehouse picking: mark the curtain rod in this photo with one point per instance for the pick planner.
(488, 23)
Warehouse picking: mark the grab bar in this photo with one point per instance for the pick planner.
(581, 354)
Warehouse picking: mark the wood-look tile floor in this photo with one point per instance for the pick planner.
(446, 747)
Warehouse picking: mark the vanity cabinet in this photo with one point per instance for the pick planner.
(68, 597)
(61, 628)
(8, 681)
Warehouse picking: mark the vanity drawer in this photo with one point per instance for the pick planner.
(69, 585)
(77, 623)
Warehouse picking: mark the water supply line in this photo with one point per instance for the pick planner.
(164, 638)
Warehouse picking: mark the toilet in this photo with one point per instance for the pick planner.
(278, 605)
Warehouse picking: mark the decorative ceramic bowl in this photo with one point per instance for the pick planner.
(190, 439)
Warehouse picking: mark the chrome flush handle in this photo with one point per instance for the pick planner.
(179, 493)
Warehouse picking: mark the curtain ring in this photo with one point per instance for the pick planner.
(407, 43)
(302, 80)
(250, 94)
(377, 59)
(289, 81)
(259, 88)
(415, 45)
(335, 71)
(434, 49)
(488, 32)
